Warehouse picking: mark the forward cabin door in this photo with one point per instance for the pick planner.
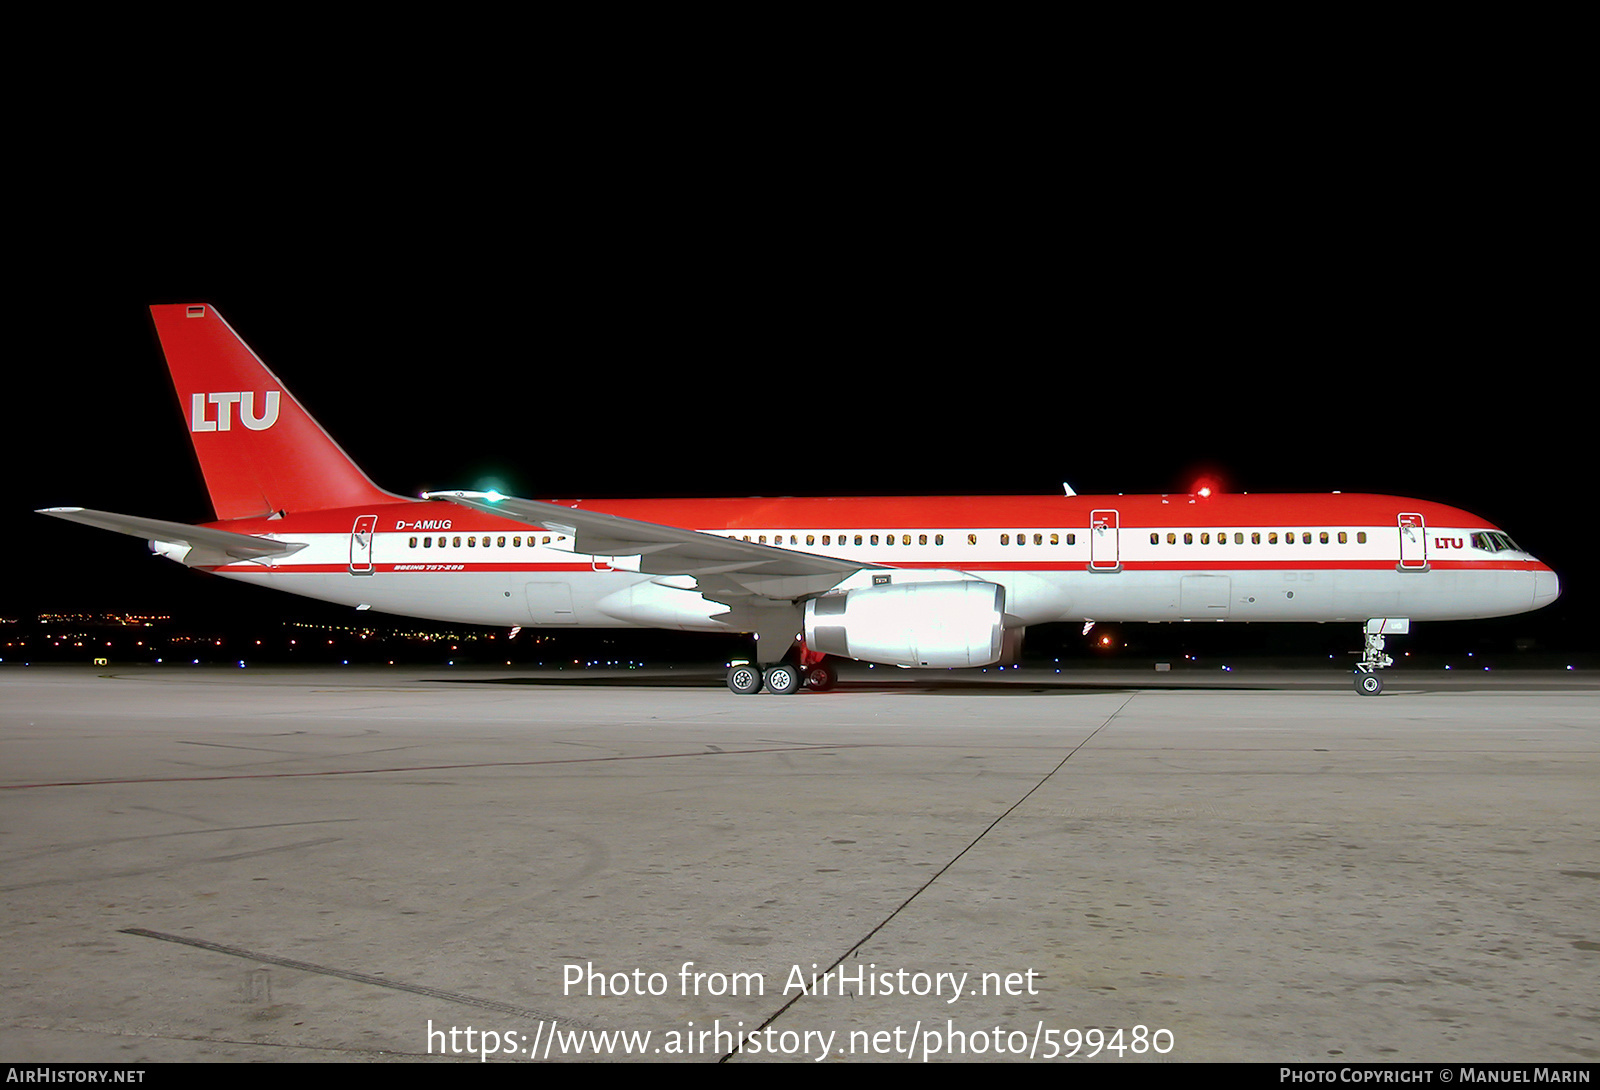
(1413, 543)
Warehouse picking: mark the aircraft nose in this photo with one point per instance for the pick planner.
(1546, 587)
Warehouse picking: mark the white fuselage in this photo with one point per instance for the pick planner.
(1096, 562)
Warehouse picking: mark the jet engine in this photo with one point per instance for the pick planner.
(912, 624)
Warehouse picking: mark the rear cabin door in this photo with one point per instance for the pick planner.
(361, 544)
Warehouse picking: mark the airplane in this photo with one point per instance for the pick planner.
(904, 581)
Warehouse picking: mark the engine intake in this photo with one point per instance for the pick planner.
(912, 624)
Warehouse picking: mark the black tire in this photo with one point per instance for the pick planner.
(821, 678)
(1369, 684)
(744, 679)
(782, 679)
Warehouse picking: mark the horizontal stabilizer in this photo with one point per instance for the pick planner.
(224, 544)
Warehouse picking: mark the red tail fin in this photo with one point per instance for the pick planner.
(259, 450)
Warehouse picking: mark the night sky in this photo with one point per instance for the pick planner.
(864, 338)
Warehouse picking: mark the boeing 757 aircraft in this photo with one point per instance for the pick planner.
(906, 581)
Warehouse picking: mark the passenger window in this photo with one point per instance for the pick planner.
(1344, 538)
(811, 539)
(1322, 538)
(1188, 539)
(1072, 539)
(922, 539)
(1361, 537)
(472, 542)
(516, 542)
(1172, 539)
(972, 539)
(827, 539)
(1155, 539)
(427, 543)
(456, 542)
(1255, 538)
(1305, 537)
(1055, 539)
(1205, 539)
(938, 539)
(413, 543)
(1272, 538)
(1005, 539)
(858, 539)
(1238, 538)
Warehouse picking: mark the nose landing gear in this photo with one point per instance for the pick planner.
(1367, 681)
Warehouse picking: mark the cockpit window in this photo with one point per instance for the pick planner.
(1493, 541)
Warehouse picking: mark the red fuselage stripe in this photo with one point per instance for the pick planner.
(432, 567)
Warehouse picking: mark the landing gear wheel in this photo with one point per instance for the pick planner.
(820, 678)
(744, 679)
(1368, 683)
(782, 679)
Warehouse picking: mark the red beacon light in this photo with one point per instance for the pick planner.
(1205, 488)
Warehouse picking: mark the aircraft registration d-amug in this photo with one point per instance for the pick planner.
(906, 581)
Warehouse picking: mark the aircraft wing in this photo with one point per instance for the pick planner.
(206, 546)
(725, 569)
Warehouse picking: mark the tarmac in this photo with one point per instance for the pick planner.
(365, 863)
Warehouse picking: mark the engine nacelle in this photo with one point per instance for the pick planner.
(912, 624)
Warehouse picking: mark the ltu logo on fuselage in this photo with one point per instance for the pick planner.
(223, 421)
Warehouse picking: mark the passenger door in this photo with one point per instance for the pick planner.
(1413, 543)
(361, 535)
(1104, 544)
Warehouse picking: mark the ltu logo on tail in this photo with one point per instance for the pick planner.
(223, 421)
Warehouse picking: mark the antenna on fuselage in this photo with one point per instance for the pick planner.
(1067, 488)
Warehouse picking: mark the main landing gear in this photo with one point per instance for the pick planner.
(1368, 683)
(820, 677)
(781, 678)
(744, 679)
